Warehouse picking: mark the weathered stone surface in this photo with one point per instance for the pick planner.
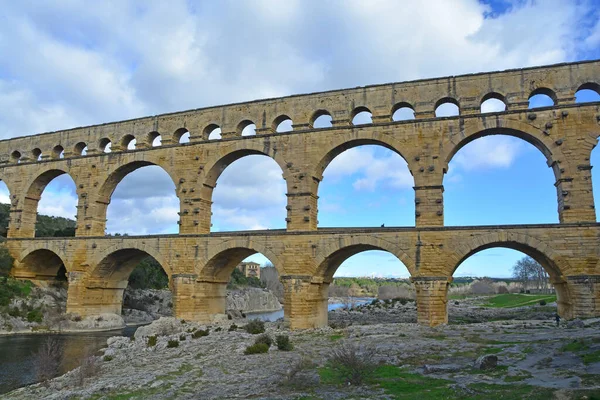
(199, 263)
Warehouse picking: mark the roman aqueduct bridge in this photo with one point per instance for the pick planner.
(199, 262)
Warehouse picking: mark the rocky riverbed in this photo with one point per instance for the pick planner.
(511, 358)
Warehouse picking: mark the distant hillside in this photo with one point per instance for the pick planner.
(45, 226)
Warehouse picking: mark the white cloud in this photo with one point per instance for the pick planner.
(488, 152)
(370, 169)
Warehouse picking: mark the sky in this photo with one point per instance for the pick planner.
(70, 63)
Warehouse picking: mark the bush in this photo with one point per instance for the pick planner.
(232, 328)
(542, 302)
(255, 327)
(264, 338)
(87, 369)
(200, 333)
(172, 343)
(219, 329)
(256, 348)
(47, 359)
(107, 358)
(351, 363)
(77, 318)
(182, 338)
(151, 341)
(35, 315)
(283, 343)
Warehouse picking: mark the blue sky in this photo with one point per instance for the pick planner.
(68, 64)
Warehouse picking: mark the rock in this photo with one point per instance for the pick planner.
(160, 327)
(576, 323)
(252, 300)
(485, 362)
(429, 369)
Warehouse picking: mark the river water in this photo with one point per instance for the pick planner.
(17, 352)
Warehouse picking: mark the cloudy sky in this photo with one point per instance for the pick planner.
(69, 63)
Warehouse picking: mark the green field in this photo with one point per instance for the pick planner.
(518, 300)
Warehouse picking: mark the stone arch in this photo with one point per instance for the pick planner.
(105, 145)
(151, 137)
(492, 126)
(217, 164)
(178, 134)
(399, 106)
(35, 188)
(126, 141)
(124, 251)
(316, 115)
(15, 156)
(105, 283)
(41, 261)
(220, 260)
(331, 256)
(277, 121)
(242, 125)
(545, 91)
(446, 100)
(494, 95)
(79, 148)
(57, 152)
(114, 177)
(555, 265)
(358, 110)
(359, 138)
(589, 86)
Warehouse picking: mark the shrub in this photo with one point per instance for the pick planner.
(183, 321)
(47, 359)
(182, 337)
(219, 329)
(172, 343)
(107, 358)
(35, 315)
(200, 333)
(255, 327)
(264, 338)
(542, 302)
(232, 328)
(229, 317)
(87, 369)
(14, 312)
(151, 341)
(351, 363)
(77, 318)
(283, 343)
(256, 348)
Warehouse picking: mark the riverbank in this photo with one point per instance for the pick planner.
(529, 358)
(42, 310)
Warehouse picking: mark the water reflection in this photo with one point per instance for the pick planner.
(277, 315)
(17, 354)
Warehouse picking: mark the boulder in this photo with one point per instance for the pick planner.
(160, 327)
(576, 323)
(486, 362)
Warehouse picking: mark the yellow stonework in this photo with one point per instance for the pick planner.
(199, 262)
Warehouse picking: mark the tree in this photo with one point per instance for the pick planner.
(6, 262)
(530, 273)
(148, 274)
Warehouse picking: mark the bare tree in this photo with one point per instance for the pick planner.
(47, 359)
(531, 274)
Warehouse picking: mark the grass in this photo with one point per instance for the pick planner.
(336, 337)
(517, 300)
(399, 383)
(575, 345)
(592, 357)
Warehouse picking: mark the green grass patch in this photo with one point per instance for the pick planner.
(492, 350)
(592, 357)
(575, 345)
(11, 288)
(336, 337)
(518, 300)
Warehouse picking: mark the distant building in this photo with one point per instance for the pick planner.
(250, 269)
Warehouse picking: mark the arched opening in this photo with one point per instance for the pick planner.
(50, 208)
(15, 157)
(128, 142)
(4, 209)
(250, 194)
(510, 281)
(366, 277)
(133, 284)
(242, 270)
(542, 97)
(321, 119)
(142, 199)
(283, 123)
(43, 267)
(36, 154)
(595, 164)
(105, 145)
(493, 102)
(58, 152)
(588, 93)
(361, 116)
(181, 135)
(154, 139)
(447, 107)
(500, 177)
(365, 184)
(246, 128)
(403, 112)
(80, 149)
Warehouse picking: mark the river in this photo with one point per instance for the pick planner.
(17, 352)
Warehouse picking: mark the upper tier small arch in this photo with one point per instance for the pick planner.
(447, 107)
(321, 119)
